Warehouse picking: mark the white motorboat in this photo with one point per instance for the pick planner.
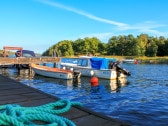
(100, 67)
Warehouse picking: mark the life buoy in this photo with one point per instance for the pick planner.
(18, 54)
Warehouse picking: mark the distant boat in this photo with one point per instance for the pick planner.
(130, 61)
(19, 53)
(100, 67)
(24, 53)
(52, 72)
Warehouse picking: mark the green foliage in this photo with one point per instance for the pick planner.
(151, 50)
(122, 45)
(86, 45)
(64, 48)
(102, 48)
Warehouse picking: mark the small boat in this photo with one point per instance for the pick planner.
(24, 53)
(100, 67)
(130, 61)
(52, 72)
(19, 53)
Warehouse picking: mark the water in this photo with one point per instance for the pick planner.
(142, 99)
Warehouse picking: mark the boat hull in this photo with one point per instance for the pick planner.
(52, 72)
(104, 74)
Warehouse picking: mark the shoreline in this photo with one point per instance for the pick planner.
(141, 60)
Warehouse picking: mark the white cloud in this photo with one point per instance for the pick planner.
(80, 12)
(145, 27)
(102, 36)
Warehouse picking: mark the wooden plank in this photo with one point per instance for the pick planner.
(15, 91)
(28, 96)
(74, 113)
(37, 102)
(28, 60)
(25, 95)
(9, 86)
(90, 122)
(19, 98)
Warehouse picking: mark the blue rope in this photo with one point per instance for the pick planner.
(16, 115)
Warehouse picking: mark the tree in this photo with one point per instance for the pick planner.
(102, 48)
(131, 46)
(161, 44)
(77, 46)
(165, 48)
(112, 46)
(142, 44)
(86, 45)
(152, 49)
(64, 48)
(92, 44)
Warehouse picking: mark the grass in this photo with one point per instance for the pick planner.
(142, 59)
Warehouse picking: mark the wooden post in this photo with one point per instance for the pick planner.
(18, 68)
(54, 65)
(30, 69)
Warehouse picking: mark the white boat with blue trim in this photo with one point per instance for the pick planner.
(106, 68)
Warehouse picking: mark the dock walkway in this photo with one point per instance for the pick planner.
(13, 92)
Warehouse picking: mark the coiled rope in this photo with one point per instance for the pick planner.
(16, 115)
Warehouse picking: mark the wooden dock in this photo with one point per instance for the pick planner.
(13, 92)
(27, 60)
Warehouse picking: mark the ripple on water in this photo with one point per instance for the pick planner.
(141, 101)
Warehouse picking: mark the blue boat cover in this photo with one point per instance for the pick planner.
(24, 52)
(101, 63)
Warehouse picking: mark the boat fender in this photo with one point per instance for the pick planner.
(91, 72)
(64, 67)
(94, 81)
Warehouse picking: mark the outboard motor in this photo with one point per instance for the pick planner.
(76, 76)
(126, 72)
(122, 70)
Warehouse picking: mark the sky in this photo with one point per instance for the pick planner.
(39, 24)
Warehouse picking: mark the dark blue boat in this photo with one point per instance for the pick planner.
(24, 53)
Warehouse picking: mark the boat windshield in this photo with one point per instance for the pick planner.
(82, 62)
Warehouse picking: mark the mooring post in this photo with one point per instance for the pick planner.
(30, 69)
(54, 64)
(18, 68)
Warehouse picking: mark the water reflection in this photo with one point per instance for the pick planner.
(23, 74)
(5, 71)
(117, 84)
(84, 82)
(64, 82)
(143, 102)
(111, 85)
